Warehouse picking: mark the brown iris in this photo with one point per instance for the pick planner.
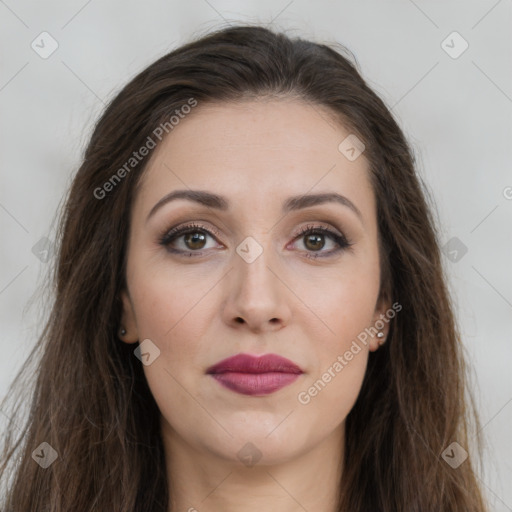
(317, 242)
(195, 238)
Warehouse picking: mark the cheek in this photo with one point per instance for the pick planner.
(341, 305)
(331, 389)
(346, 308)
(174, 312)
(170, 314)
(165, 301)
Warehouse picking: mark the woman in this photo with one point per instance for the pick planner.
(250, 311)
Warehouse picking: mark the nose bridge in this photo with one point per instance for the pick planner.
(255, 294)
(252, 273)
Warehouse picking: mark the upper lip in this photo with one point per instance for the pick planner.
(246, 363)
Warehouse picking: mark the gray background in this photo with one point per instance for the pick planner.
(456, 111)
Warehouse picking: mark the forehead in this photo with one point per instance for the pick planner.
(258, 151)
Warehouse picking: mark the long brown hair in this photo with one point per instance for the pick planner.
(90, 401)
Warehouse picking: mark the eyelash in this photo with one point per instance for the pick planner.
(169, 236)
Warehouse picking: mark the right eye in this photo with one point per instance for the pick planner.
(193, 238)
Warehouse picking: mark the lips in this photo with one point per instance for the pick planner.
(245, 363)
(251, 375)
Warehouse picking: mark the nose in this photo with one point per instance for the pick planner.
(256, 296)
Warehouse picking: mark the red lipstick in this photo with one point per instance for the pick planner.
(253, 375)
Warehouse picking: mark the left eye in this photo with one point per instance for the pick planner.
(314, 239)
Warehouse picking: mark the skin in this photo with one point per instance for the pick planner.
(256, 154)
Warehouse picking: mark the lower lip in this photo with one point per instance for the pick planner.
(255, 383)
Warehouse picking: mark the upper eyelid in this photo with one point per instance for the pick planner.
(180, 230)
(198, 225)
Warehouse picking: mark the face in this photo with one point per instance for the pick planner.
(254, 277)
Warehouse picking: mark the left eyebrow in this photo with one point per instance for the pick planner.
(308, 200)
(221, 203)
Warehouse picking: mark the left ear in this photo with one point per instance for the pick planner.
(380, 323)
(128, 322)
